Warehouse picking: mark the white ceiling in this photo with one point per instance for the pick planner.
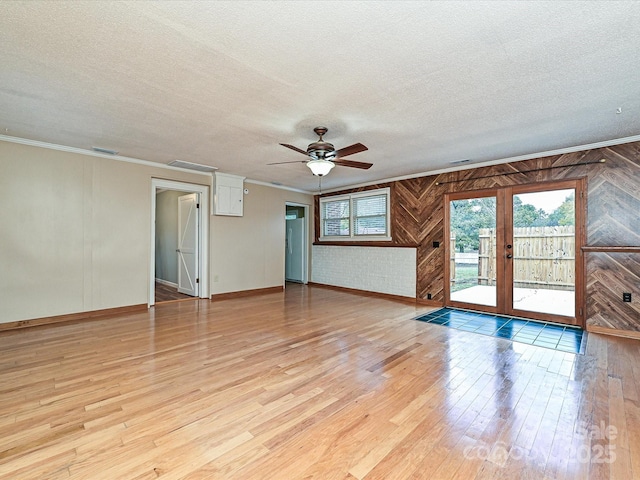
(422, 84)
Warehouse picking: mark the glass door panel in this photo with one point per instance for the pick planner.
(472, 248)
(542, 252)
(516, 251)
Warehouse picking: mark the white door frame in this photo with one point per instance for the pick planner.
(305, 247)
(203, 235)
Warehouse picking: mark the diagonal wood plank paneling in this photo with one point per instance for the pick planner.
(609, 275)
(613, 219)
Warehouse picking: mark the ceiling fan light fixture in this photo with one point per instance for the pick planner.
(320, 167)
(323, 155)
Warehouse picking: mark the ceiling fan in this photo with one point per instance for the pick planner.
(323, 156)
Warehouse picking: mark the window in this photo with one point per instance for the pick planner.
(359, 216)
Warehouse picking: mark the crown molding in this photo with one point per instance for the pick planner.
(121, 158)
(519, 158)
(529, 156)
(93, 153)
(281, 187)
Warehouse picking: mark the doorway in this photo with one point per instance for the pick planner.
(517, 251)
(296, 249)
(179, 241)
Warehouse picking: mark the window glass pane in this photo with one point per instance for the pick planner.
(335, 218)
(337, 209)
(472, 268)
(333, 227)
(371, 226)
(365, 206)
(544, 252)
(370, 215)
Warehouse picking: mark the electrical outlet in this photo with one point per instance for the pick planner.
(428, 296)
(626, 297)
(215, 278)
(436, 244)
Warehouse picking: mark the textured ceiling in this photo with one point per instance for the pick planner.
(422, 84)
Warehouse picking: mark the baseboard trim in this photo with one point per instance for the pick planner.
(430, 303)
(246, 293)
(72, 317)
(613, 331)
(166, 282)
(366, 293)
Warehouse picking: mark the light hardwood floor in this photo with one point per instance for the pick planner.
(165, 293)
(312, 383)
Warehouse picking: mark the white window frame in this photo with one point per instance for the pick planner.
(352, 236)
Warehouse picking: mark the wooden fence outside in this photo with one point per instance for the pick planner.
(544, 257)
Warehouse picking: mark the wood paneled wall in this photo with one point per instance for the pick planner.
(608, 275)
(613, 219)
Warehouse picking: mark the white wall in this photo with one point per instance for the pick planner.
(248, 252)
(167, 235)
(390, 270)
(76, 233)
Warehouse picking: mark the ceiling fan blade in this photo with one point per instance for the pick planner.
(350, 150)
(294, 161)
(353, 164)
(296, 149)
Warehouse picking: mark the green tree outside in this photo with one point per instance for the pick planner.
(469, 216)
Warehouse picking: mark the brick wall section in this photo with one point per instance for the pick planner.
(374, 269)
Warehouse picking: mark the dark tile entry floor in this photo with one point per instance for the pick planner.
(532, 332)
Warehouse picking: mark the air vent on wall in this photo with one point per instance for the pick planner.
(192, 166)
(104, 150)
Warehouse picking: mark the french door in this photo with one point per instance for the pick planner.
(517, 251)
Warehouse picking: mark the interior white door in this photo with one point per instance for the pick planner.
(294, 258)
(188, 244)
